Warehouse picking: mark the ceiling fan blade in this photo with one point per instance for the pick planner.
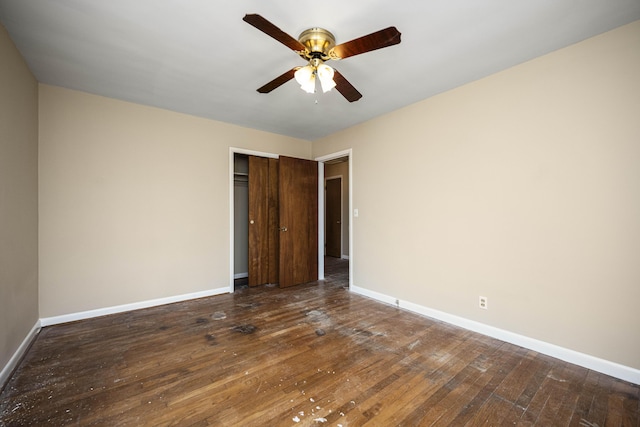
(345, 88)
(277, 82)
(378, 40)
(271, 30)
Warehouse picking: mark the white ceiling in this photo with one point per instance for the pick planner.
(198, 56)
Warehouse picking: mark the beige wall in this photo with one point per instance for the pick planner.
(523, 187)
(134, 201)
(18, 199)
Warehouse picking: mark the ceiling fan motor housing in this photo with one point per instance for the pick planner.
(318, 42)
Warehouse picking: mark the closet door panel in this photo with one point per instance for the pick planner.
(298, 188)
(258, 220)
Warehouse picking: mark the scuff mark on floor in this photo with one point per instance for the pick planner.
(553, 377)
(245, 329)
(248, 304)
(413, 344)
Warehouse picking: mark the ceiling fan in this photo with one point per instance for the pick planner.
(316, 46)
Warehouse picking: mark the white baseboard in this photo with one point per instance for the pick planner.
(613, 369)
(345, 256)
(65, 318)
(240, 275)
(6, 372)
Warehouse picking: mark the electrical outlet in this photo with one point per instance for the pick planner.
(483, 302)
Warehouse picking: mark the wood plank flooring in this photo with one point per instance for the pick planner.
(309, 355)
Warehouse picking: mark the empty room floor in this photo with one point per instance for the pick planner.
(313, 354)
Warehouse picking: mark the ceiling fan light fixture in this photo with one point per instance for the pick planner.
(325, 75)
(306, 78)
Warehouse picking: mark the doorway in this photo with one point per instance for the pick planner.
(336, 165)
(337, 222)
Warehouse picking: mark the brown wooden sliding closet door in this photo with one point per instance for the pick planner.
(298, 184)
(263, 221)
(258, 220)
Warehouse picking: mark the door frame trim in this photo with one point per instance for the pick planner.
(232, 152)
(321, 159)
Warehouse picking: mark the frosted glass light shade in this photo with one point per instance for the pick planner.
(306, 78)
(325, 74)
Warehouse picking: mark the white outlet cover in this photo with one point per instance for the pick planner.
(483, 302)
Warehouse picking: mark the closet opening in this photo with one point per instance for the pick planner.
(275, 220)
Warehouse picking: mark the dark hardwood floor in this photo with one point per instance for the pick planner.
(309, 355)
